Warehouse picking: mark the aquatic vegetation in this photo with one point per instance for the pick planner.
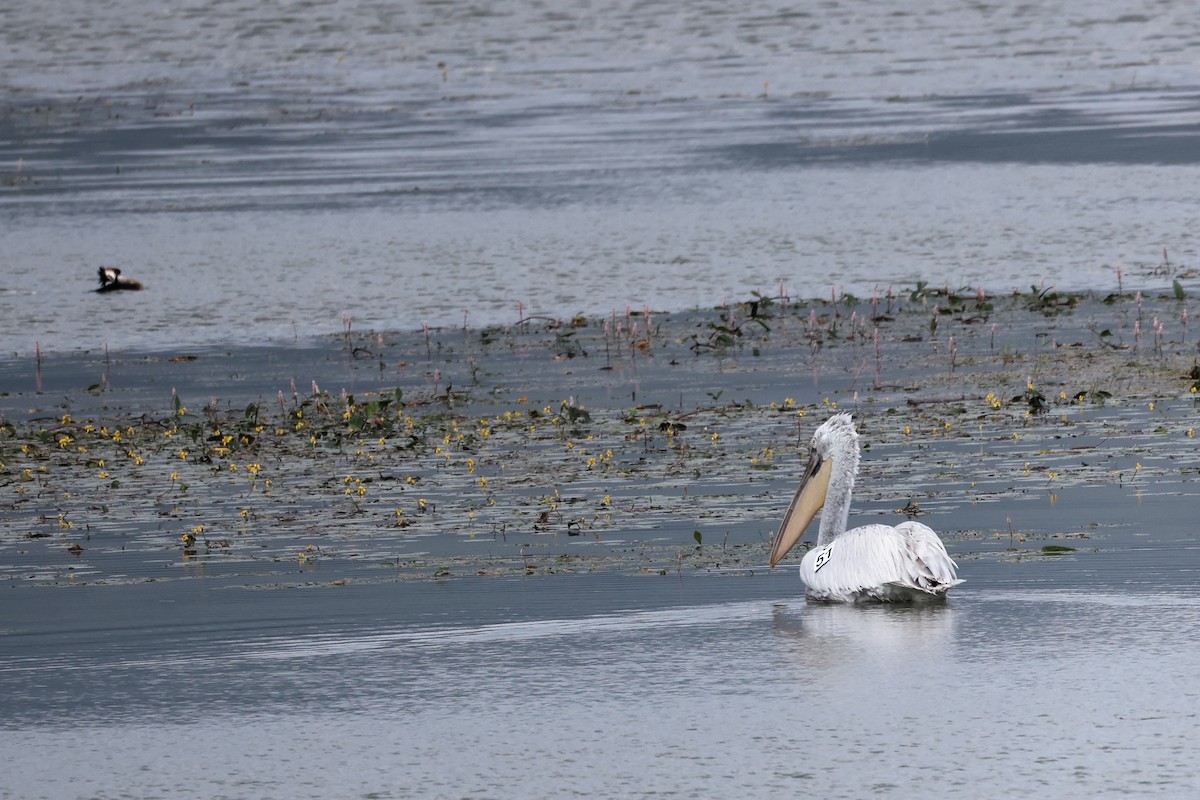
(1032, 398)
(540, 458)
(726, 333)
(1049, 301)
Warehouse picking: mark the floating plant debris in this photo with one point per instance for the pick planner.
(455, 453)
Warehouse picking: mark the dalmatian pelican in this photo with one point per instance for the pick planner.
(879, 563)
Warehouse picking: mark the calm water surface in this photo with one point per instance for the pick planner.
(1064, 678)
(271, 171)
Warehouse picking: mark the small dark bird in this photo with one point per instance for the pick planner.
(111, 281)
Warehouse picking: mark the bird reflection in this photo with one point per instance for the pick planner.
(824, 636)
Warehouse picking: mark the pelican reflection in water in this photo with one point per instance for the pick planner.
(904, 563)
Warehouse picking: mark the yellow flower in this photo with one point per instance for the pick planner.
(183, 454)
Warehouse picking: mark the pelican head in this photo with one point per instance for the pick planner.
(833, 459)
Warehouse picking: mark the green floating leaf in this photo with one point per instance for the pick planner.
(698, 537)
(1056, 549)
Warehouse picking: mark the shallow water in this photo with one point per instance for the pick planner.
(237, 672)
(268, 174)
(1063, 677)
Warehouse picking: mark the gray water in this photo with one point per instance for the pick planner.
(277, 171)
(1038, 679)
(272, 172)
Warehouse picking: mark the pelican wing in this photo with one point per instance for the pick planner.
(932, 567)
(879, 562)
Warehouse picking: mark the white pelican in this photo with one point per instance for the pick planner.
(111, 281)
(872, 563)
